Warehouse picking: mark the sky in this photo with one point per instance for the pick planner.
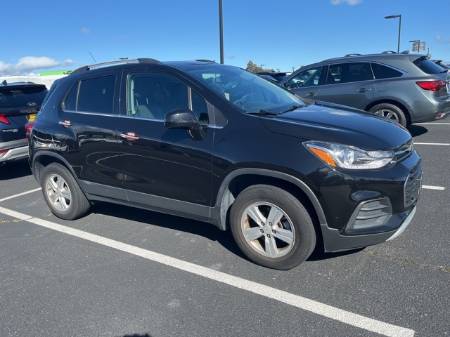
(279, 34)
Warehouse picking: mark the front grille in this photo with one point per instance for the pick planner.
(404, 151)
(412, 186)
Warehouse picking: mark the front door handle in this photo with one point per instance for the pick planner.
(66, 123)
(363, 90)
(310, 94)
(130, 136)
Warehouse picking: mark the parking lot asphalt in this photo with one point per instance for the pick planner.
(58, 282)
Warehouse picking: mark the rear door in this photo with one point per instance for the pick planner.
(18, 105)
(90, 115)
(348, 84)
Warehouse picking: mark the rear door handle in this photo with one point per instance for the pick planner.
(310, 94)
(66, 123)
(362, 90)
(130, 136)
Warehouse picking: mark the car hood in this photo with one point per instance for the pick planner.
(339, 124)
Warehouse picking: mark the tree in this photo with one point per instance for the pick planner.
(254, 68)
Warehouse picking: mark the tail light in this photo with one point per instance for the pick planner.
(4, 119)
(28, 129)
(432, 85)
(3, 152)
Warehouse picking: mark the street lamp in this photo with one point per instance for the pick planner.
(399, 27)
(221, 32)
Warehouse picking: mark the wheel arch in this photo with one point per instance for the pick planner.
(395, 102)
(239, 179)
(44, 158)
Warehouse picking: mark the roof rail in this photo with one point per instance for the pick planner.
(354, 54)
(113, 63)
(389, 52)
(206, 61)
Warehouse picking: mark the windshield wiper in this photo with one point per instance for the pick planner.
(293, 107)
(263, 112)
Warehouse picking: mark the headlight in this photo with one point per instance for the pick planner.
(349, 157)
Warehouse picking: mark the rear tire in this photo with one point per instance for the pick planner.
(62, 193)
(283, 243)
(390, 112)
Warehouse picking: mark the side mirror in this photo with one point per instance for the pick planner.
(181, 120)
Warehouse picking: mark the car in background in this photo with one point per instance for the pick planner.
(405, 88)
(278, 76)
(19, 105)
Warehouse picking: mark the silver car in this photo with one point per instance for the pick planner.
(406, 88)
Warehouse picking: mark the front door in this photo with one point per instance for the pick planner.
(161, 162)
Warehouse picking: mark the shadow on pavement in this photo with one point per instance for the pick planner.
(13, 170)
(417, 130)
(195, 227)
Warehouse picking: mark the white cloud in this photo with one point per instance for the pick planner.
(346, 2)
(28, 64)
(85, 30)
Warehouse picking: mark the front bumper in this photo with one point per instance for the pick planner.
(367, 208)
(334, 241)
(13, 150)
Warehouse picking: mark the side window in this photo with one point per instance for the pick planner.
(306, 78)
(96, 95)
(70, 102)
(91, 95)
(381, 71)
(152, 96)
(349, 72)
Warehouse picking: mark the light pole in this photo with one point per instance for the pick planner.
(399, 16)
(221, 32)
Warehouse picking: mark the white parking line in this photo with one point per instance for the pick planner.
(300, 302)
(20, 194)
(437, 144)
(433, 123)
(430, 187)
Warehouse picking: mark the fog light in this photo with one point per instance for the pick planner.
(369, 215)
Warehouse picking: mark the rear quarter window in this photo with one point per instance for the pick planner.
(381, 71)
(428, 66)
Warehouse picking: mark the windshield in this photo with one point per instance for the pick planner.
(16, 97)
(245, 90)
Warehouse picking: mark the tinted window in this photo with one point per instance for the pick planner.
(152, 96)
(21, 96)
(349, 72)
(384, 72)
(96, 95)
(428, 66)
(243, 89)
(306, 78)
(70, 102)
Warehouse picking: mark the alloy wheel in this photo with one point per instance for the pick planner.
(58, 192)
(268, 230)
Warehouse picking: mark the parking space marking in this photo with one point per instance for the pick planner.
(20, 194)
(297, 301)
(433, 123)
(437, 144)
(431, 187)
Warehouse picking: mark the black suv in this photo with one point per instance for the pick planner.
(221, 145)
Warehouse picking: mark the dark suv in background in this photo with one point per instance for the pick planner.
(405, 88)
(19, 104)
(218, 144)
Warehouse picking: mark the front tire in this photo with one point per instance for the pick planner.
(272, 227)
(62, 193)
